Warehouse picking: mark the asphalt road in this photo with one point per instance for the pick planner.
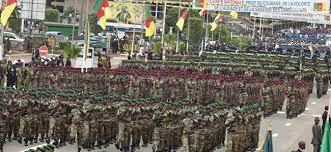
(286, 132)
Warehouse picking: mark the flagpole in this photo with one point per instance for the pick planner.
(73, 26)
(133, 38)
(86, 35)
(163, 30)
(206, 38)
(177, 41)
(260, 28)
(188, 32)
(1, 38)
(254, 27)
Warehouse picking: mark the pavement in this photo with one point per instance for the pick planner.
(286, 133)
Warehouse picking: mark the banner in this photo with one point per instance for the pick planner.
(127, 13)
(266, 6)
(308, 17)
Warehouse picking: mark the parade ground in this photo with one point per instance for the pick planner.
(286, 132)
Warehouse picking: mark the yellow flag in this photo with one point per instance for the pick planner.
(216, 22)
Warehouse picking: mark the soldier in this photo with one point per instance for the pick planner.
(2, 76)
(319, 84)
(3, 117)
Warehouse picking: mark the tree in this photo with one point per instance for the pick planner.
(244, 42)
(197, 31)
(222, 34)
(92, 18)
(172, 18)
(15, 22)
(69, 13)
(170, 39)
(52, 15)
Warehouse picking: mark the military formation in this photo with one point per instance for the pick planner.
(97, 121)
(193, 106)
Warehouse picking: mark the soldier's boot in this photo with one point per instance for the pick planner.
(36, 138)
(9, 137)
(15, 136)
(42, 137)
(133, 148)
(99, 144)
(79, 149)
(48, 140)
(126, 148)
(26, 141)
(117, 145)
(93, 145)
(19, 140)
(31, 140)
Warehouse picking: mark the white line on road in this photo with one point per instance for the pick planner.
(316, 115)
(307, 108)
(313, 103)
(282, 112)
(275, 135)
(288, 124)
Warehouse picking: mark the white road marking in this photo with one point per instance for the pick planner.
(313, 103)
(307, 108)
(282, 112)
(275, 135)
(316, 115)
(288, 124)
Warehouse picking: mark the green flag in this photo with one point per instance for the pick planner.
(267, 145)
(326, 142)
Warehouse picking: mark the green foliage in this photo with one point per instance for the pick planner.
(52, 15)
(181, 47)
(244, 42)
(197, 31)
(171, 19)
(222, 34)
(92, 18)
(68, 11)
(64, 44)
(156, 46)
(70, 52)
(170, 39)
(268, 34)
(15, 22)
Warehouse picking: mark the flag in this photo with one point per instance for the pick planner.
(234, 15)
(150, 24)
(318, 6)
(7, 11)
(267, 143)
(202, 4)
(99, 8)
(326, 141)
(181, 20)
(216, 22)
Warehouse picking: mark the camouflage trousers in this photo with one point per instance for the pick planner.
(12, 127)
(235, 140)
(156, 139)
(124, 135)
(136, 134)
(319, 89)
(2, 134)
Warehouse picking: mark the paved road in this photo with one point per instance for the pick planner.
(286, 132)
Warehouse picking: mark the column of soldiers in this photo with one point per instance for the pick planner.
(297, 99)
(273, 97)
(168, 84)
(244, 127)
(69, 116)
